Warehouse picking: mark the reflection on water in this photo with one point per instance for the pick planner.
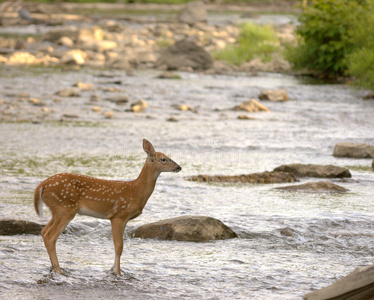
(289, 243)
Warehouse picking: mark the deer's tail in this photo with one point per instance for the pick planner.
(38, 200)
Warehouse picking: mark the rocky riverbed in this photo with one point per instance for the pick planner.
(292, 238)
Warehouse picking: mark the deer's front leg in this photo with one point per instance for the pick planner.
(118, 227)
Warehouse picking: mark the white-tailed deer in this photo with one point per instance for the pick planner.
(119, 201)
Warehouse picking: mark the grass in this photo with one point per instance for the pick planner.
(255, 41)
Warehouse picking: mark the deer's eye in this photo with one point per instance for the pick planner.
(163, 160)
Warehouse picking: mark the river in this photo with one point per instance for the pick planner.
(332, 233)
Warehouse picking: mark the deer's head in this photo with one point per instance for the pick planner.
(159, 160)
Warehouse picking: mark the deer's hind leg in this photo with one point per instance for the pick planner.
(52, 231)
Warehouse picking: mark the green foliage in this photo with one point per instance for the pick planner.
(361, 61)
(254, 41)
(325, 37)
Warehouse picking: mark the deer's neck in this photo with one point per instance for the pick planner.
(146, 182)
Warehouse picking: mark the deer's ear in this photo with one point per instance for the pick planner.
(148, 148)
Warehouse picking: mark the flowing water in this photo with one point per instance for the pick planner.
(332, 234)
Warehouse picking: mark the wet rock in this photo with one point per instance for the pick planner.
(369, 96)
(185, 54)
(193, 12)
(95, 98)
(15, 227)
(173, 119)
(251, 106)
(35, 101)
(65, 41)
(274, 95)
(99, 46)
(69, 116)
(90, 34)
(315, 187)
(18, 58)
(354, 150)
(288, 232)
(139, 106)
(310, 170)
(264, 177)
(119, 99)
(357, 285)
(186, 228)
(108, 114)
(245, 117)
(69, 92)
(96, 109)
(74, 57)
(84, 86)
(185, 107)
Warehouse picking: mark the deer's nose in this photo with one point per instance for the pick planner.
(178, 169)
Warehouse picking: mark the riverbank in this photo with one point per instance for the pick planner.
(96, 37)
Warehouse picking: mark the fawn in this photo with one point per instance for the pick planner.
(67, 194)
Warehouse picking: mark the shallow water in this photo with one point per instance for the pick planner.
(332, 233)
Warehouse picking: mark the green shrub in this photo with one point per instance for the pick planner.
(325, 37)
(254, 41)
(361, 60)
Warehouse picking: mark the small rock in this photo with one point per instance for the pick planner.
(70, 116)
(172, 119)
(313, 187)
(354, 150)
(108, 114)
(185, 107)
(288, 232)
(186, 228)
(65, 41)
(16, 227)
(99, 46)
(67, 92)
(245, 117)
(251, 106)
(96, 109)
(319, 171)
(369, 96)
(74, 57)
(139, 106)
(95, 98)
(274, 95)
(84, 86)
(35, 101)
(119, 99)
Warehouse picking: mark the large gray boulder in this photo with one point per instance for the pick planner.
(264, 177)
(16, 227)
(185, 54)
(186, 228)
(315, 187)
(193, 12)
(310, 170)
(357, 285)
(354, 150)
